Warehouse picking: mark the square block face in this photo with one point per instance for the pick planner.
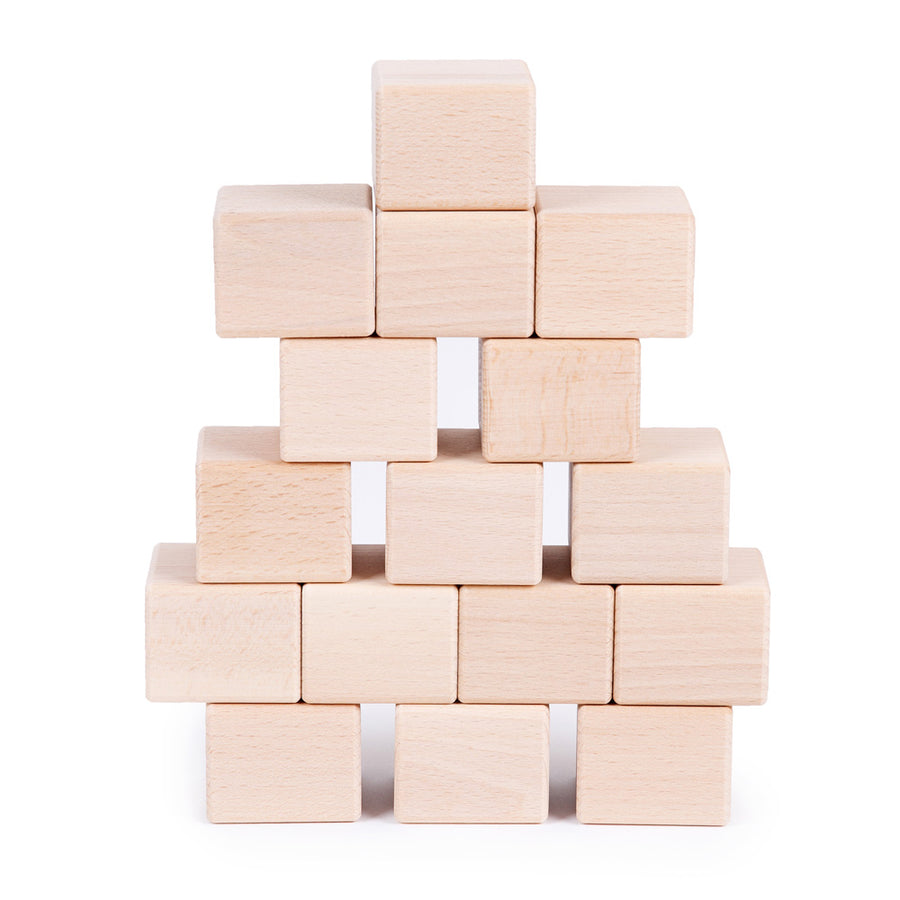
(263, 520)
(468, 764)
(282, 763)
(455, 274)
(614, 262)
(358, 399)
(219, 643)
(294, 261)
(653, 765)
(693, 644)
(662, 519)
(453, 134)
(461, 520)
(563, 401)
(550, 643)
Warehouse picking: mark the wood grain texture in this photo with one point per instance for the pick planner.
(282, 763)
(653, 765)
(294, 261)
(468, 764)
(614, 262)
(358, 399)
(453, 134)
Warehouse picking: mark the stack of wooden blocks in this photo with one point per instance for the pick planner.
(647, 620)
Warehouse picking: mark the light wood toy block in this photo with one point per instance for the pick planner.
(693, 644)
(233, 643)
(369, 641)
(614, 262)
(662, 519)
(455, 134)
(455, 274)
(653, 765)
(294, 261)
(471, 763)
(560, 400)
(550, 643)
(263, 520)
(461, 520)
(358, 399)
(282, 763)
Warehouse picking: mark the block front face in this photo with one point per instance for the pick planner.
(294, 261)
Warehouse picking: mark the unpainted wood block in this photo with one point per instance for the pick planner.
(261, 519)
(653, 765)
(294, 261)
(614, 262)
(472, 763)
(453, 134)
(282, 762)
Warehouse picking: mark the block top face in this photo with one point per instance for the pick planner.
(239, 444)
(429, 72)
(265, 202)
(681, 447)
(172, 566)
(573, 200)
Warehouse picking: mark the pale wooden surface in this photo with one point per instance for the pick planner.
(358, 399)
(653, 765)
(472, 763)
(550, 643)
(560, 400)
(455, 134)
(282, 763)
(233, 643)
(662, 519)
(294, 261)
(461, 520)
(455, 274)
(263, 520)
(694, 644)
(614, 262)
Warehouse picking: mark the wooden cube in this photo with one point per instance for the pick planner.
(614, 262)
(282, 762)
(294, 261)
(461, 520)
(453, 134)
(662, 519)
(261, 519)
(464, 764)
(653, 765)
(358, 399)
(560, 400)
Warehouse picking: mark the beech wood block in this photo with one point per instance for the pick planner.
(358, 399)
(294, 261)
(614, 262)
(261, 519)
(653, 765)
(281, 762)
(662, 519)
(467, 764)
(461, 520)
(453, 134)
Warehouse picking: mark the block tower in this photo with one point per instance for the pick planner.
(647, 620)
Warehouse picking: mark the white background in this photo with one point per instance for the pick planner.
(121, 120)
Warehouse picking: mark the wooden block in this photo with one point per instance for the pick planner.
(692, 644)
(461, 520)
(455, 274)
(294, 261)
(567, 400)
(261, 519)
(662, 519)
(467, 764)
(455, 134)
(358, 399)
(231, 643)
(653, 765)
(282, 763)
(550, 643)
(614, 262)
